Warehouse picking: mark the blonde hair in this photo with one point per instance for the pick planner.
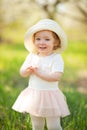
(57, 42)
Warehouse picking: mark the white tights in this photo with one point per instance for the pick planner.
(53, 123)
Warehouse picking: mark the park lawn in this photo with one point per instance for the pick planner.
(11, 84)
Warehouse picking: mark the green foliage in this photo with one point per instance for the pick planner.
(11, 84)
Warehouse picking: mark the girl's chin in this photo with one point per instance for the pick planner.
(43, 50)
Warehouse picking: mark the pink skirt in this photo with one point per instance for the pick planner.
(43, 103)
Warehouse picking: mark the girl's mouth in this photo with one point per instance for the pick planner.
(42, 48)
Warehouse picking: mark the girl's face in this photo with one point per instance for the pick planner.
(44, 42)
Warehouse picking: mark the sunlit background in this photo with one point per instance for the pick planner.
(16, 16)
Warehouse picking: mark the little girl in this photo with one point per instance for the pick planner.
(42, 99)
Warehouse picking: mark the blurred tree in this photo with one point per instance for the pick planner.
(22, 10)
(51, 8)
(72, 14)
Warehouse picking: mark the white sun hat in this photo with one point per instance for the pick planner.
(45, 24)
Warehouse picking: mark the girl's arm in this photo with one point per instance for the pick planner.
(25, 69)
(26, 72)
(51, 77)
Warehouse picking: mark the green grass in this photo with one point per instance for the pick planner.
(11, 84)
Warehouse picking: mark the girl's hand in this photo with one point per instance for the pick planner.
(27, 72)
(32, 69)
(35, 70)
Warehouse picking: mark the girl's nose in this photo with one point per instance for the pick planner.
(42, 42)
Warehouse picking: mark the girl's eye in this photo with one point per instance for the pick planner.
(47, 39)
(37, 39)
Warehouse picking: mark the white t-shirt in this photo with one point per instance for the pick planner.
(51, 63)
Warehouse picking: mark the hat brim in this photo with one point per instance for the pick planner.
(45, 25)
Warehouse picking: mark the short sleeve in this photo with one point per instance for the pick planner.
(58, 64)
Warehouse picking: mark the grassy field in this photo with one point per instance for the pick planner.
(11, 84)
